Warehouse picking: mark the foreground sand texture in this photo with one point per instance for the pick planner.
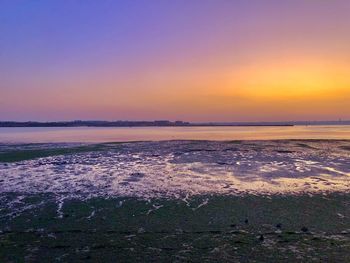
(180, 201)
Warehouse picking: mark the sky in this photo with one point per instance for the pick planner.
(191, 60)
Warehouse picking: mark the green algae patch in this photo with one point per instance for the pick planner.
(218, 228)
(29, 154)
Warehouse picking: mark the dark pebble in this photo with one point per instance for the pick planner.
(246, 221)
(304, 229)
(279, 225)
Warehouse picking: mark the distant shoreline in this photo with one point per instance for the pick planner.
(68, 125)
(33, 124)
(163, 123)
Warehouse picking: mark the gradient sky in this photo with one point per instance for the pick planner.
(193, 60)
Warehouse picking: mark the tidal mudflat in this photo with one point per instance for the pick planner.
(181, 201)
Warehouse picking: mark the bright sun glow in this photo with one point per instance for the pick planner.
(293, 80)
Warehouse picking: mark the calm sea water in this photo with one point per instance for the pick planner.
(94, 134)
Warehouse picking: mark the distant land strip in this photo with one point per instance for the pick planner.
(160, 123)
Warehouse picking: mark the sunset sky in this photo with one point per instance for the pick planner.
(191, 60)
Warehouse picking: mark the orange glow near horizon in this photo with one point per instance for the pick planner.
(294, 80)
(264, 90)
(260, 91)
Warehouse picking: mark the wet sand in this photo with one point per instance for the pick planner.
(233, 201)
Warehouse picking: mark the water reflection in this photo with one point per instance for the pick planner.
(92, 134)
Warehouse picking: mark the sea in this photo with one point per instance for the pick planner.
(129, 134)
